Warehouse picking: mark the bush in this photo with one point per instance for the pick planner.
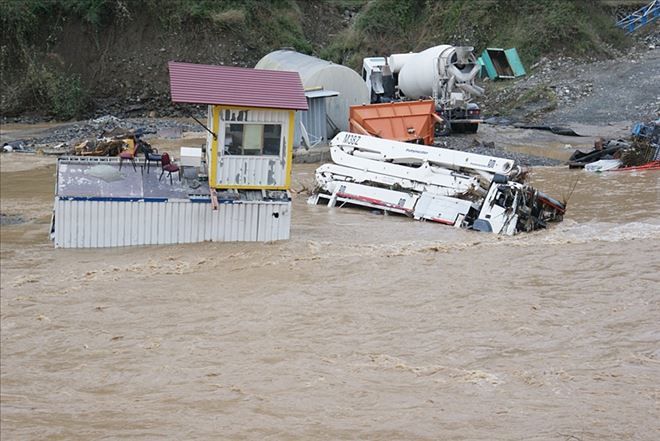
(49, 92)
(68, 97)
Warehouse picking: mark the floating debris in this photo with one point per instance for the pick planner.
(641, 152)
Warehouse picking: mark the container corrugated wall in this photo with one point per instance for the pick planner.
(314, 120)
(88, 223)
(274, 221)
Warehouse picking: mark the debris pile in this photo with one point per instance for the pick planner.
(15, 146)
(113, 142)
(100, 147)
(65, 137)
(484, 193)
(641, 150)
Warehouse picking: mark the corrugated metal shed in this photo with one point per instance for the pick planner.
(314, 119)
(236, 86)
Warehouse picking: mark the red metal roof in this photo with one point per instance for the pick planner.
(236, 86)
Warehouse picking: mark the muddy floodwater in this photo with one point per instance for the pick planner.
(362, 326)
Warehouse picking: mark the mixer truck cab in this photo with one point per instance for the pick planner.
(379, 79)
(444, 73)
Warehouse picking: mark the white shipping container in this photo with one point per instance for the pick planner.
(112, 222)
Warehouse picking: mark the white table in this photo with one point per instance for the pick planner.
(191, 156)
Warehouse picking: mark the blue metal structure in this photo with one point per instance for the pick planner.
(640, 18)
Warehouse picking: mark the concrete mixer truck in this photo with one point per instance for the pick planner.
(444, 73)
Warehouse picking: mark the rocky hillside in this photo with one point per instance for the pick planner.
(77, 58)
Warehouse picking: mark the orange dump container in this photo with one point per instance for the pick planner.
(401, 121)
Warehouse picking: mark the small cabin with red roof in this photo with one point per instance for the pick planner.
(250, 120)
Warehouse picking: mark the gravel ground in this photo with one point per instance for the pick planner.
(94, 127)
(623, 89)
(64, 136)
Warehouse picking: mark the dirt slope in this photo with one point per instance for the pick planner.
(626, 89)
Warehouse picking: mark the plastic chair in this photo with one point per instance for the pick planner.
(152, 156)
(168, 166)
(129, 155)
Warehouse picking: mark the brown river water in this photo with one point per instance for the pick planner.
(361, 326)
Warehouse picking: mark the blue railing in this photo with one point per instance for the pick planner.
(640, 17)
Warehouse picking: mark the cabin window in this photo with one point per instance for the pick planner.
(253, 139)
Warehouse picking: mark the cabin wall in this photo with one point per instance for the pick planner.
(232, 171)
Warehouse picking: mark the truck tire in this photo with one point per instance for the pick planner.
(457, 128)
(471, 128)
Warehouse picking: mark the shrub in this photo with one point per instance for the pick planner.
(229, 18)
(49, 91)
(67, 96)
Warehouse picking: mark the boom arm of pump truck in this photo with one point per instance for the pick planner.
(378, 149)
(445, 73)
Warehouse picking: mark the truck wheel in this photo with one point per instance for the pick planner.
(457, 128)
(471, 128)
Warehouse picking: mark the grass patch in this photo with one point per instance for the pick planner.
(263, 23)
(536, 28)
(230, 18)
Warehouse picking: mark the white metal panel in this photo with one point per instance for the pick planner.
(274, 222)
(284, 226)
(132, 223)
(314, 120)
(85, 229)
(262, 171)
(253, 116)
(190, 156)
(440, 208)
(93, 223)
(209, 136)
(366, 195)
(115, 218)
(58, 234)
(183, 222)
